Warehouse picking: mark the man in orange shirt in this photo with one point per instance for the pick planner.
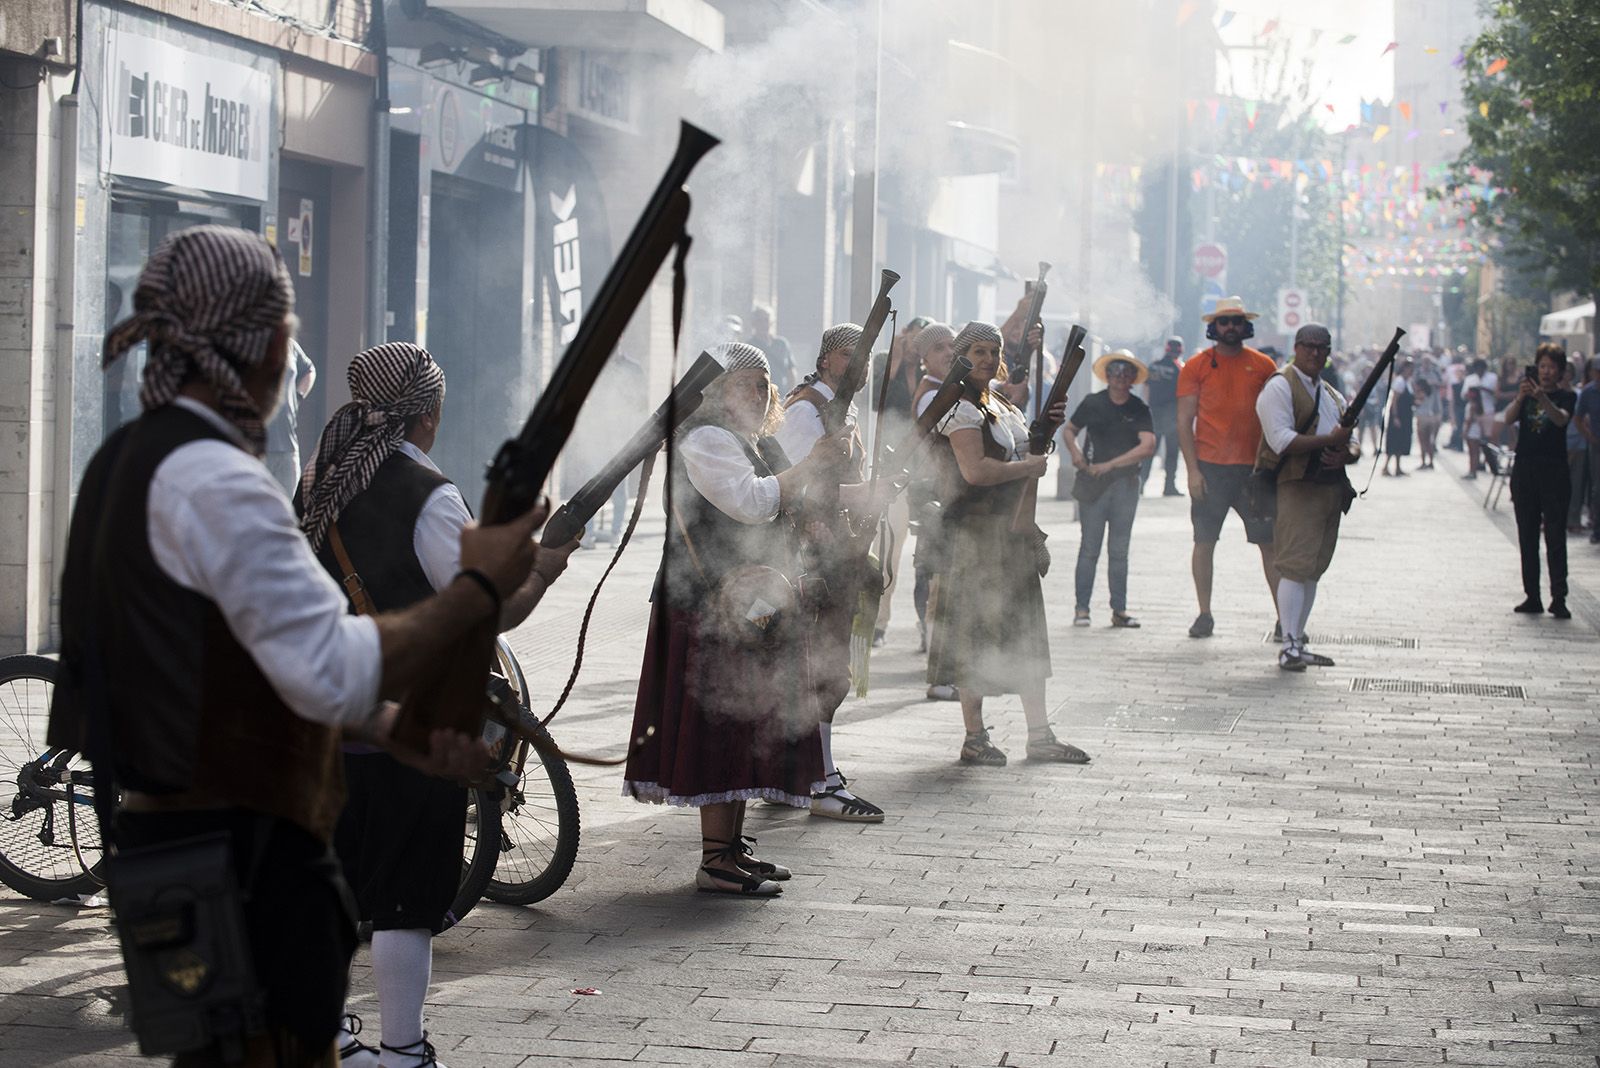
(1218, 434)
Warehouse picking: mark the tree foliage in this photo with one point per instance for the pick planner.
(1534, 124)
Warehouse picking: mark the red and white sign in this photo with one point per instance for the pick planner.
(1210, 261)
(1292, 310)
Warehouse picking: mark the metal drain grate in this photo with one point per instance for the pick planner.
(1462, 689)
(1353, 639)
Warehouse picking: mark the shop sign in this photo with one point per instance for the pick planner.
(473, 136)
(604, 90)
(571, 232)
(184, 119)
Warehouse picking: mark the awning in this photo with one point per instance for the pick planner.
(1569, 321)
(672, 27)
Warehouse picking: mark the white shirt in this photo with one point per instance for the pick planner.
(1275, 409)
(219, 525)
(802, 424)
(1009, 430)
(927, 398)
(436, 539)
(720, 472)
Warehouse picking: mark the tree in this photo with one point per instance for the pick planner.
(1533, 93)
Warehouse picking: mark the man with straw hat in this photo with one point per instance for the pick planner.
(1218, 432)
(1107, 487)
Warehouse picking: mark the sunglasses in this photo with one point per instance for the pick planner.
(1315, 347)
(1230, 320)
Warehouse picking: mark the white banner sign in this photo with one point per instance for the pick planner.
(185, 119)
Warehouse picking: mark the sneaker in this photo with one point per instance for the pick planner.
(1203, 626)
(1289, 658)
(417, 1055)
(1080, 617)
(978, 749)
(1172, 491)
(1559, 610)
(1052, 750)
(1530, 607)
(943, 691)
(1594, 538)
(353, 1051)
(922, 636)
(877, 639)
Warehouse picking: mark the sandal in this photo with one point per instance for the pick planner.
(764, 868)
(1123, 619)
(421, 1052)
(837, 803)
(1054, 751)
(356, 1052)
(978, 749)
(722, 881)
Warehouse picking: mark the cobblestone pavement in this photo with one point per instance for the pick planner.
(1358, 866)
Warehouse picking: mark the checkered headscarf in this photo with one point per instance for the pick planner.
(388, 384)
(929, 336)
(843, 336)
(975, 332)
(736, 356)
(208, 302)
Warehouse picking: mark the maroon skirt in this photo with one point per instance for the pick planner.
(731, 722)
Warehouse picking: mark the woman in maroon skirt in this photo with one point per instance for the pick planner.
(720, 717)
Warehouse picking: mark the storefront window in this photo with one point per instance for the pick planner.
(137, 224)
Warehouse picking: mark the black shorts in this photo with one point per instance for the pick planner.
(400, 839)
(1225, 489)
(298, 913)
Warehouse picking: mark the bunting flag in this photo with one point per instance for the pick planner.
(1250, 113)
(1366, 112)
(1460, 60)
(1496, 67)
(1190, 106)
(1483, 108)
(1405, 110)
(1329, 107)
(1391, 47)
(1413, 133)
(1431, 51)
(1214, 106)
(1444, 105)
(1272, 24)
(1347, 39)
(1227, 17)
(1187, 9)
(1380, 133)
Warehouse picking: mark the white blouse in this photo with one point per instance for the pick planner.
(1009, 430)
(719, 470)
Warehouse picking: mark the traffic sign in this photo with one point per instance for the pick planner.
(1292, 310)
(1210, 260)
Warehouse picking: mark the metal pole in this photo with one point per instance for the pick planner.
(1338, 315)
(378, 189)
(1171, 279)
(864, 193)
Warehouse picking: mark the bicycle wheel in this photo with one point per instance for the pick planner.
(479, 850)
(49, 835)
(539, 828)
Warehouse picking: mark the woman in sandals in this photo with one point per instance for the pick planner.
(716, 722)
(989, 633)
(1121, 437)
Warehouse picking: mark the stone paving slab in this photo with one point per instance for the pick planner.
(1257, 869)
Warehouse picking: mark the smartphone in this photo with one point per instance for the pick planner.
(1531, 373)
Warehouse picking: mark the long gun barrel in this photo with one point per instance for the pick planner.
(1043, 429)
(454, 696)
(570, 519)
(1353, 412)
(835, 411)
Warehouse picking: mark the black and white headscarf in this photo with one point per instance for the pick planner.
(737, 356)
(208, 302)
(975, 332)
(388, 383)
(841, 336)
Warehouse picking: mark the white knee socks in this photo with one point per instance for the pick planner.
(402, 965)
(1293, 604)
(1305, 612)
(829, 768)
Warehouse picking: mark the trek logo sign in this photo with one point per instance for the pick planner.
(185, 119)
(567, 262)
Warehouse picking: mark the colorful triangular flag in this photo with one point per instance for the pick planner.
(1496, 67)
(1347, 38)
(1380, 133)
(1405, 110)
(1227, 17)
(1390, 48)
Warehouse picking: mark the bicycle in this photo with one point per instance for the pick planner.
(521, 834)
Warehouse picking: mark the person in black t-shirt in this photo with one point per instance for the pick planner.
(1107, 486)
(1540, 479)
(1163, 394)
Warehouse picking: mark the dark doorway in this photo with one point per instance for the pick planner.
(304, 200)
(475, 323)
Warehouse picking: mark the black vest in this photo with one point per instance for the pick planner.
(999, 499)
(378, 527)
(719, 542)
(177, 702)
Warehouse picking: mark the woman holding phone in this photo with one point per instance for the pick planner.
(1540, 479)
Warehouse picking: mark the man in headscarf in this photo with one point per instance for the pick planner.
(935, 479)
(384, 521)
(209, 666)
(828, 642)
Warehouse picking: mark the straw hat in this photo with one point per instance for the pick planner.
(1141, 372)
(1230, 306)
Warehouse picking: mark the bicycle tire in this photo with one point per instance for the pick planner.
(540, 829)
(480, 850)
(38, 855)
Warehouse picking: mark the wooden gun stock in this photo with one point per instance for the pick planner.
(1044, 427)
